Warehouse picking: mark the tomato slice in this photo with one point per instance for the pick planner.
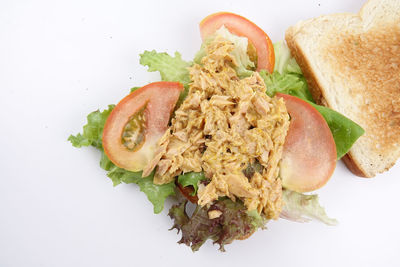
(309, 153)
(242, 27)
(136, 124)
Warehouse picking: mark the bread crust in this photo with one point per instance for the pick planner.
(312, 81)
(352, 165)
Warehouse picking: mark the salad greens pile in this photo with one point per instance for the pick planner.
(235, 221)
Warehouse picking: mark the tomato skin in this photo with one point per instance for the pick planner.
(187, 193)
(309, 153)
(158, 100)
(241, 26)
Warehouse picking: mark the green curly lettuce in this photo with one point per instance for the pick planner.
(156, 194)
(290, 83)
(287, 77)
(93, 130)
(172, 69)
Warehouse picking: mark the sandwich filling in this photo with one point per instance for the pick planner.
(231, 130)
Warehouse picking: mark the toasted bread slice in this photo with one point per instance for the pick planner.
(352, 65)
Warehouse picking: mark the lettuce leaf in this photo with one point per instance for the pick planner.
(288, 83)
(345, 131)
(133, 89)
(235, 222)
(287, 77)
(172, 69)
(93, 130)
(91, 136)
(156, 194)
(284, 62)
(245, 66)
(191, 179)
(301, 208)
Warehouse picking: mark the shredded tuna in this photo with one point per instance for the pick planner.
(224, 125)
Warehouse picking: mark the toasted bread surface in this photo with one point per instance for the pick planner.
(352, 65)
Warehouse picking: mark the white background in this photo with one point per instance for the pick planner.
(61, 60)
